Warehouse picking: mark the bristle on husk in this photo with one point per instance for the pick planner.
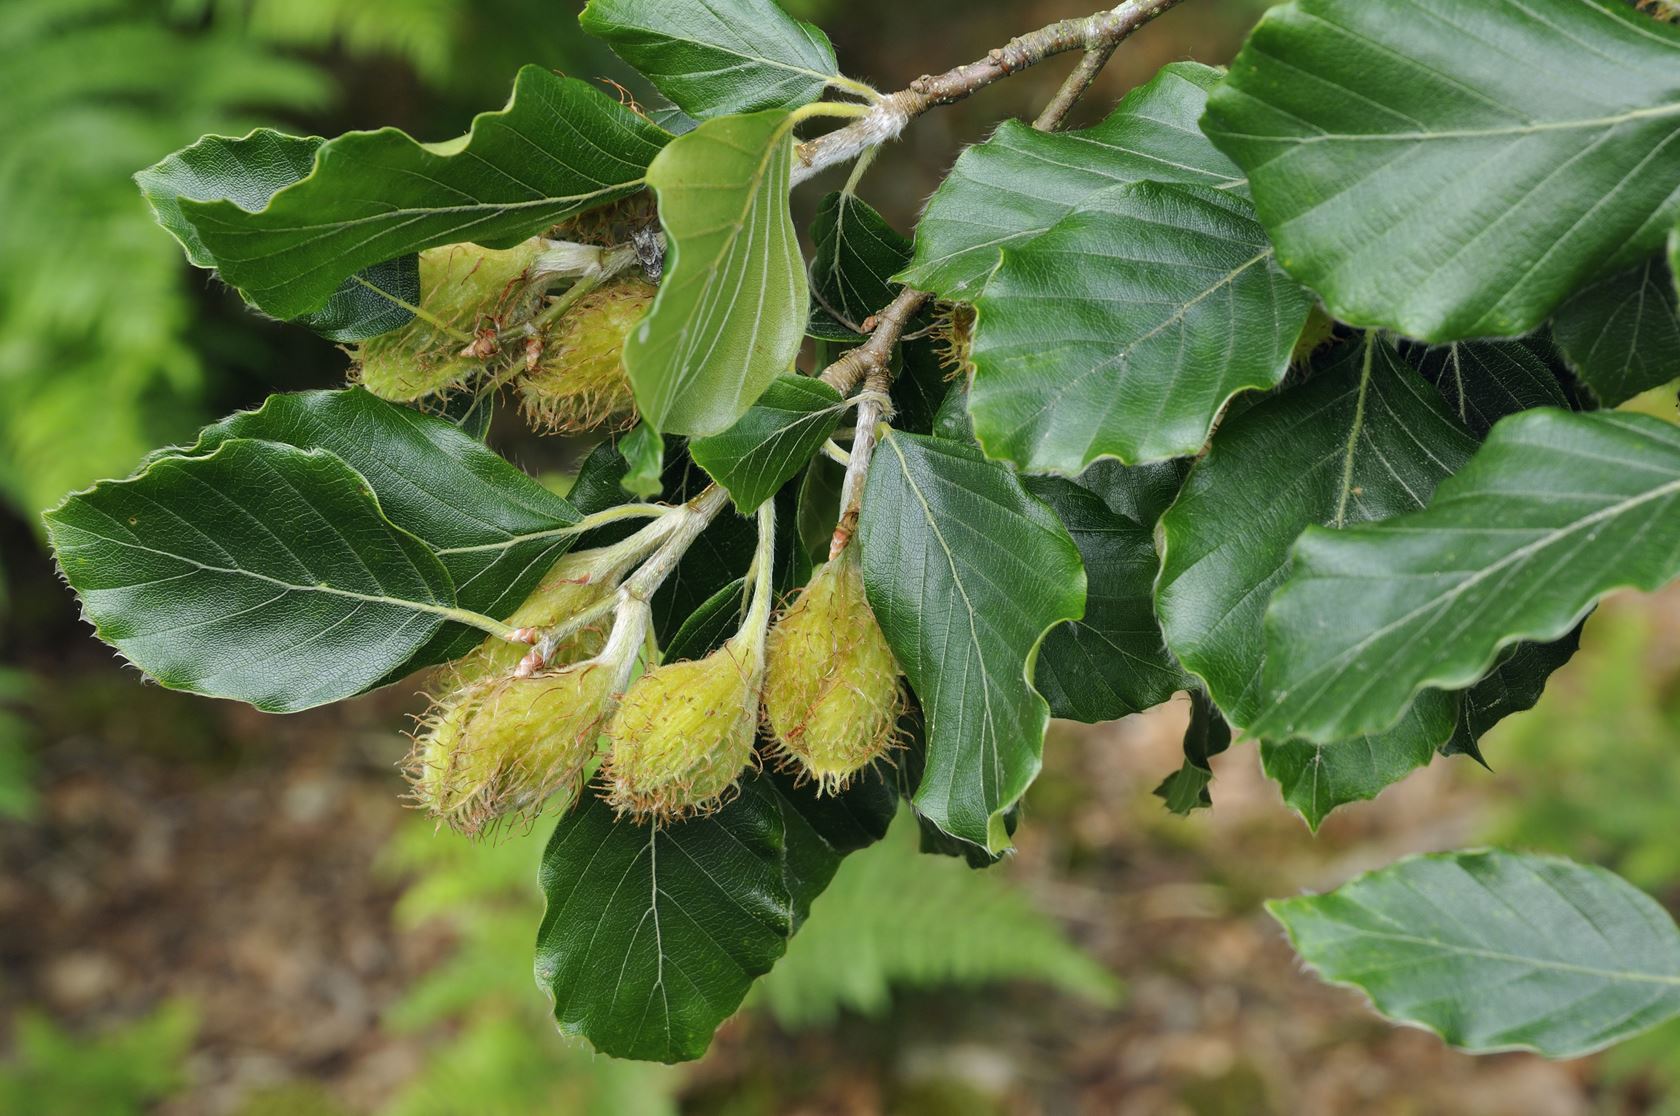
(682, 736)
(577, 583)
(831, 690)
(499, 748)
(580, 383)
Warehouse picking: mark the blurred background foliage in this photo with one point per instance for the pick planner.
(211, 911)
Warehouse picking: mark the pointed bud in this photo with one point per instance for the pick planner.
(831, 690)
(465, 291)
(500, 748)
(683, 734)
(580, 382)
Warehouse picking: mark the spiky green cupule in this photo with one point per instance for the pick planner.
(464, 290)
(831, 690)
(499, 748)
(580, 383)
(683, 734)
(684, 731)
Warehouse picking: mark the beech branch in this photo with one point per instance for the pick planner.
(1098, 35)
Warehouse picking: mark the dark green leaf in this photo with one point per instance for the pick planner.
(1122, 331)
(1511, 687)
(559, 147)
(1113, 662)
(1483, 381)
(919, 387)
(1206, 736)
(653, 934)
(1622, 334)
(710, 625)
(730, 314)
(1453, 170)
(260, 572)
(1317, 778)
(1020, 181)
(819, 505)
(1555, 510)
(720, 56)
(967, 573)
(772, 441)
(1497, 951)
(856, 255)
(495, 529)
(1364, 439)
(248, 172)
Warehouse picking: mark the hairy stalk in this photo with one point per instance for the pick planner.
(632, 614)
(1097, 35)
(871, 364)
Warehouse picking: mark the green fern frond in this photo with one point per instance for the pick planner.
(894, 917)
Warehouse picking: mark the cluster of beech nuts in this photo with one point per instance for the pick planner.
(513, 729)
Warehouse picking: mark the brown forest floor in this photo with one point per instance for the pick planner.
(168, 861)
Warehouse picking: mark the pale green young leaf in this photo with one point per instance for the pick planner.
(1020, 182)
(260, 572)
(1124, 329)
(1621, 335)
(967, 572)
(730, 314)
(1554, 511)
(720, 56)
(1454, 170)
(1495, 950)
(772, 441)
(559, 147)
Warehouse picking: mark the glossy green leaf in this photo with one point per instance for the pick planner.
(1495, 950)
(1364, 439)
(496, 530)
(1315, 779)
(260, 572)
(1206, 736)
(1511, 687)
(1483, 381)
(1621, 335)
(772, 441)
(1454, 170)
(856, 255)
(1112, 662)
(1020, 182)
(248, 172)
(1555, 510)
(559, 147)
(720, 56)
(652, 935)
(730, 314)
(1124, 329)
(967, 572)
